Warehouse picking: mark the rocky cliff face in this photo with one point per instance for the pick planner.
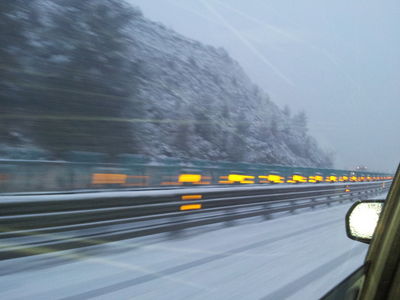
(128, 84)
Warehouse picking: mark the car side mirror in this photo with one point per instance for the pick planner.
(362, 218)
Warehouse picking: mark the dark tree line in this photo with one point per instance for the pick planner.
(68, 75)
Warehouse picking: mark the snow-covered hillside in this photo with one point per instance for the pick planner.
(117, 82)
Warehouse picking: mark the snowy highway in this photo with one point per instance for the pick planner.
(298, 256)
(200, 150)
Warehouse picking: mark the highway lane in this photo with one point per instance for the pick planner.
(297, 256)
(39, 224)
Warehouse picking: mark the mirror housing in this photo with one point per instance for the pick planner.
(362, 219)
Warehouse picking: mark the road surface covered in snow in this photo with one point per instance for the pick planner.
(298, 256)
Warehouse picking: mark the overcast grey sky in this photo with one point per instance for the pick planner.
(337, 60)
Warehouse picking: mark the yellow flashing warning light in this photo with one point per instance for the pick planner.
(191, 197)
(273, 178)
(315, 179)
(235, 177)
(189, 178)
(107, 178)
(297, 179)
(190, 207)
(331, 178)
(240, 178)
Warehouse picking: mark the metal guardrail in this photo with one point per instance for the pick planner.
(32, 225)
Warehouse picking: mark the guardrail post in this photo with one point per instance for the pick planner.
(267, 215)
(177, 233)
(357, 196)
(313, 203)
(351, 196)
(229, 211)
(292, 205)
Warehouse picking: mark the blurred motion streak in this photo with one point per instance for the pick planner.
(141, 180)
(191, 197)
(331, 178)
(224, 180)
(190, 206)
(189, 178)
(276, 178)
(238, 178)
(104, 178)
(316, 179)
(297, 178)
(92, 170)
